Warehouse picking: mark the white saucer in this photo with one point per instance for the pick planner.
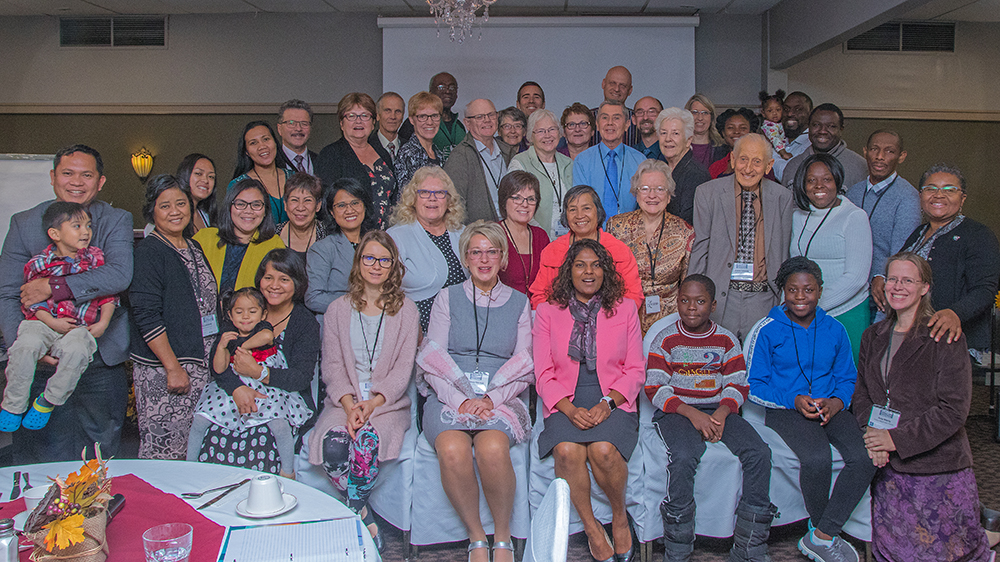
(290, 502)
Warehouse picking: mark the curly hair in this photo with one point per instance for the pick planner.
(798, 264)
(392, 297)
(612, 290)
(405, 212)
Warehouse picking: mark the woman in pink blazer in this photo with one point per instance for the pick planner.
(589, 368)
(369, 345)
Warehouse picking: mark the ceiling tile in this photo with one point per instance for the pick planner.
(174, 6)
(751, 7)
(382, 6)
(49, 7)
(983, 10)
(687, 6)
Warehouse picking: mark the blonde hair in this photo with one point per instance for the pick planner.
(421, 100)
(714, 136)
(492, 231)
(392, 297)
(405, 212)
(924, 309)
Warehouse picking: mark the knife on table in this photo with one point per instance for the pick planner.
(223, 494)
(16, 490)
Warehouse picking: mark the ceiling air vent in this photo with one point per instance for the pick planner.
(117, 31)
(906, 37)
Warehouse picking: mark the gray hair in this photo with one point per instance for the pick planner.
(682, 115)
(614, 103)
(466, 111)
(755, 137)
(294, 104)
(653, 166)
(492, 231)
(513, 113)
(537, 116)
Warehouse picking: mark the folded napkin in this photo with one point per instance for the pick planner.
(145, 507)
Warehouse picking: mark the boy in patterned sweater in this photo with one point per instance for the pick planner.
(696, 378)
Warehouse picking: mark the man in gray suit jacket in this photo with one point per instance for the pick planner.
(96, 410)
(742, 229)
(478, 162)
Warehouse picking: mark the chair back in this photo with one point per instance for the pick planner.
(548, 539)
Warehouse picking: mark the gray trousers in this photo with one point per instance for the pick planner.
(743, 310)
(74, 349)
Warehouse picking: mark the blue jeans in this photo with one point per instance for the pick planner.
(93, 414)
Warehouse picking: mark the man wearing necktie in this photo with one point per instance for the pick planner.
(391, 110)
(742, 231)
(294, 126)
(609, 165)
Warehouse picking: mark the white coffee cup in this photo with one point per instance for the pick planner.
(265, 495)
(33, 496)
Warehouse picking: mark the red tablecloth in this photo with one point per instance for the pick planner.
(145, 507)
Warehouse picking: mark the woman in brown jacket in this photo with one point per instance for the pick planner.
(912, 397)
(369, 344)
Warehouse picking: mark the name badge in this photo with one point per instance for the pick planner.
(366, 390)
(652, 304)
(209, 325)
(742, 272)
(479, 380)
(883, 418)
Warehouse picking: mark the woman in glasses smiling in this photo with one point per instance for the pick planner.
(427, 224)
(553, 169)
(964, 258)
(424, 109)
(353, 156)
(244, 235)
(475, 363)
(519, 194)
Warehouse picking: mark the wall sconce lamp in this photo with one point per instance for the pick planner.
(142, 163)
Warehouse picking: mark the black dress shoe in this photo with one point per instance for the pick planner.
(629, 555)
(989, 518)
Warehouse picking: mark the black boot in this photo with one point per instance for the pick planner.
(753, 526)
(678, 533)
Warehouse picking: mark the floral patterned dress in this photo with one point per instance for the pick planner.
(383, 190)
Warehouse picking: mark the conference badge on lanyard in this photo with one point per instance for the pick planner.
(883, 417)
(742, 272)
(480, 381)
(209, 325)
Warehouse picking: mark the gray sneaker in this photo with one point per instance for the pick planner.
(839, 551)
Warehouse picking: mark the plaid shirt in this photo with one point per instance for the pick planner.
(48, 264)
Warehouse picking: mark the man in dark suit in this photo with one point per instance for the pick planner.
(96, 410)
(391, 110)
(294, 126)
(478, 163)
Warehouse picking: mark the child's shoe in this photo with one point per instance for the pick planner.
(37, 415)
(9, 422)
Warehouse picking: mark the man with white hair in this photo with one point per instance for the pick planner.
(477, 164)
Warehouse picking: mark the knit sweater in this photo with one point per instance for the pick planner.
(839, 240)
(694, 369)
(892, 213)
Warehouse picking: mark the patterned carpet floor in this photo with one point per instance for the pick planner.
(986, 453)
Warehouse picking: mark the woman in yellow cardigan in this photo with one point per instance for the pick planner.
(245, 234)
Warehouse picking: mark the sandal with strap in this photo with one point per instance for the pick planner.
(377, 538)
(503, 545)
(475, 545)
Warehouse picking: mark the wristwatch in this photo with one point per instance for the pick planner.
(610, 402)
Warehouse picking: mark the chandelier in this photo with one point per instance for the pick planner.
(460, 15)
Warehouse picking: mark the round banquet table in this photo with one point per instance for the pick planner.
(176, 477)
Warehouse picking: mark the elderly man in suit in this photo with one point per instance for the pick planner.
(391, 111)
(479, 161)
(96, 410)
(294, 126)
(742, 229)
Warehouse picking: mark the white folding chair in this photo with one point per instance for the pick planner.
(548, 538)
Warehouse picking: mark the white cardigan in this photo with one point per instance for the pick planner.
(426, 268)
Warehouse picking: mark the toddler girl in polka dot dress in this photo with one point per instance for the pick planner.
(280, 409)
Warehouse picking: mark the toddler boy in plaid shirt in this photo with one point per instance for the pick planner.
(64, 330)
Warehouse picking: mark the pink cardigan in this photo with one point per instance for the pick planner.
(391, 377)
(620, 363)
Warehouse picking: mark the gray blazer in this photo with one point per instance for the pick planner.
(112, 234)
(465, 168)
(328, 265)
(716, 229)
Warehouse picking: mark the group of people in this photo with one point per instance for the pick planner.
(385, 260)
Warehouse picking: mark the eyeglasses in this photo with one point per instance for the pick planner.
(512, 127)
(368, 261)
(482, 116)
(517, 199)
(363, 117)
(476, 254)
(291, 123)
(549, 131)
(657, 189)
(423, 118)
(443, 88)
(905, 281)
(578, 125)
(697, 113)
(651, 111)
(432, 193)
(242, 205)
(356, 204)
(946, 189)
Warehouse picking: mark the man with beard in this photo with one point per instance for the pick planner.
(826, 125)
(643, 118)
(795, 121)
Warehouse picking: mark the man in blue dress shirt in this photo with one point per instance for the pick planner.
(609, 165)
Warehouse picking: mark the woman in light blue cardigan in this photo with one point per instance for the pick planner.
(427, 223)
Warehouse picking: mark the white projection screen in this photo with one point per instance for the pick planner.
(567, 56)
(24, 183)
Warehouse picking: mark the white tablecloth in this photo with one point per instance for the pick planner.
(175, 477)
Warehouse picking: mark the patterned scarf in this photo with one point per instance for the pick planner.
(583, 338)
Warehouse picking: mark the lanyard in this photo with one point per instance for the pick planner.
(879, 198)
(531, 252)
(371, 354)
(812, 363)
(195, 279)
(475, 314)
(555, 182)
(885, 364)
(489, 170)
(621, 173)
(653, 256)
(815, 232)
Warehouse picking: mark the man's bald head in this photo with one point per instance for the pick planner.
(617, 84)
